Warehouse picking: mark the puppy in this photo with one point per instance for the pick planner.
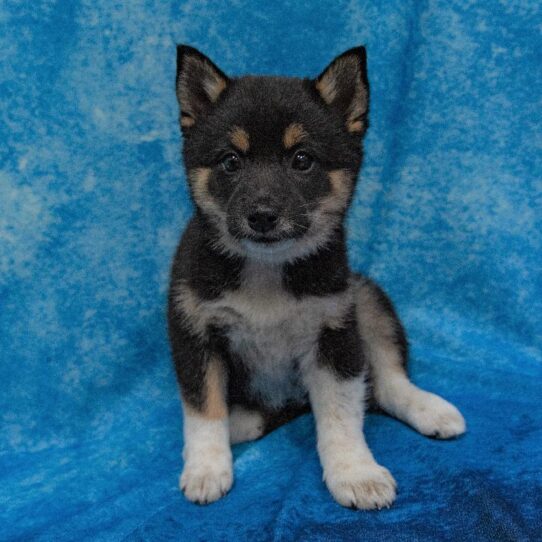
(265, 316)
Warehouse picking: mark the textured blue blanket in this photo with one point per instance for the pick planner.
(448, 217)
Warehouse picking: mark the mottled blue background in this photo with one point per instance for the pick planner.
(448, 217)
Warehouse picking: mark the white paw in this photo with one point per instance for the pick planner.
(207, 477)
(245, 424)
(362, 485)
(433, 416)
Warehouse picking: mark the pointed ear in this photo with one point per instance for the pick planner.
(344, 86)
(199, 84)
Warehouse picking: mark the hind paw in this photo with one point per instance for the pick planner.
(435, 417)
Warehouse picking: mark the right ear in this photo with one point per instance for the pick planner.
(344, 86)
(199, 84)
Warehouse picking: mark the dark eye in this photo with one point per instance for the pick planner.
(302, 161)
(231, 162)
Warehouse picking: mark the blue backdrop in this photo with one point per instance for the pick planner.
(448, 217)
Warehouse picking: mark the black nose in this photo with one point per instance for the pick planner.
(262, 221)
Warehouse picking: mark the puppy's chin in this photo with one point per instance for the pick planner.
(285, 250)
(268, 251)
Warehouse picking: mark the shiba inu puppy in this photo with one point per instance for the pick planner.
(266, 319)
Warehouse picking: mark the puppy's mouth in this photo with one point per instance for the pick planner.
(267, 240)
(277, 237)
(267, 246)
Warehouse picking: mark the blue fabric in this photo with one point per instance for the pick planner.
(448, 217)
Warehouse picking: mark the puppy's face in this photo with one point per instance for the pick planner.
(271, 161)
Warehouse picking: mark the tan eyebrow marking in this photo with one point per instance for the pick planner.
(354, 126)
(295, 133)
(239, 138)
(186, 121)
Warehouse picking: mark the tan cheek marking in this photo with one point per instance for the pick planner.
(341, 184)
(239, 138)
(199, 180)
(215, 403)
(293, 135)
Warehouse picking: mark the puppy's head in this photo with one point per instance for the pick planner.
(272, 161)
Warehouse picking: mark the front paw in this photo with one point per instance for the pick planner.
(363, 485)
(207, 477)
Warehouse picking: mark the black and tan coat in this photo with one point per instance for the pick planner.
(266, 319)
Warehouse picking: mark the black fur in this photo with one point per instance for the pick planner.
(341, 350)
(264, 312)
(264, 107)
(190, 357)
(386, 306)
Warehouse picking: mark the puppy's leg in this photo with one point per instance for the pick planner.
(386, 350)
(336, 386)
(207, 474)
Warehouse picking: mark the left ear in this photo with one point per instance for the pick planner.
(199, 84)
(344, 86)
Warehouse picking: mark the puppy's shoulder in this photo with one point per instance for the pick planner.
(203, 266)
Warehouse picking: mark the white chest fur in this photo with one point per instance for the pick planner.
(273, 333)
